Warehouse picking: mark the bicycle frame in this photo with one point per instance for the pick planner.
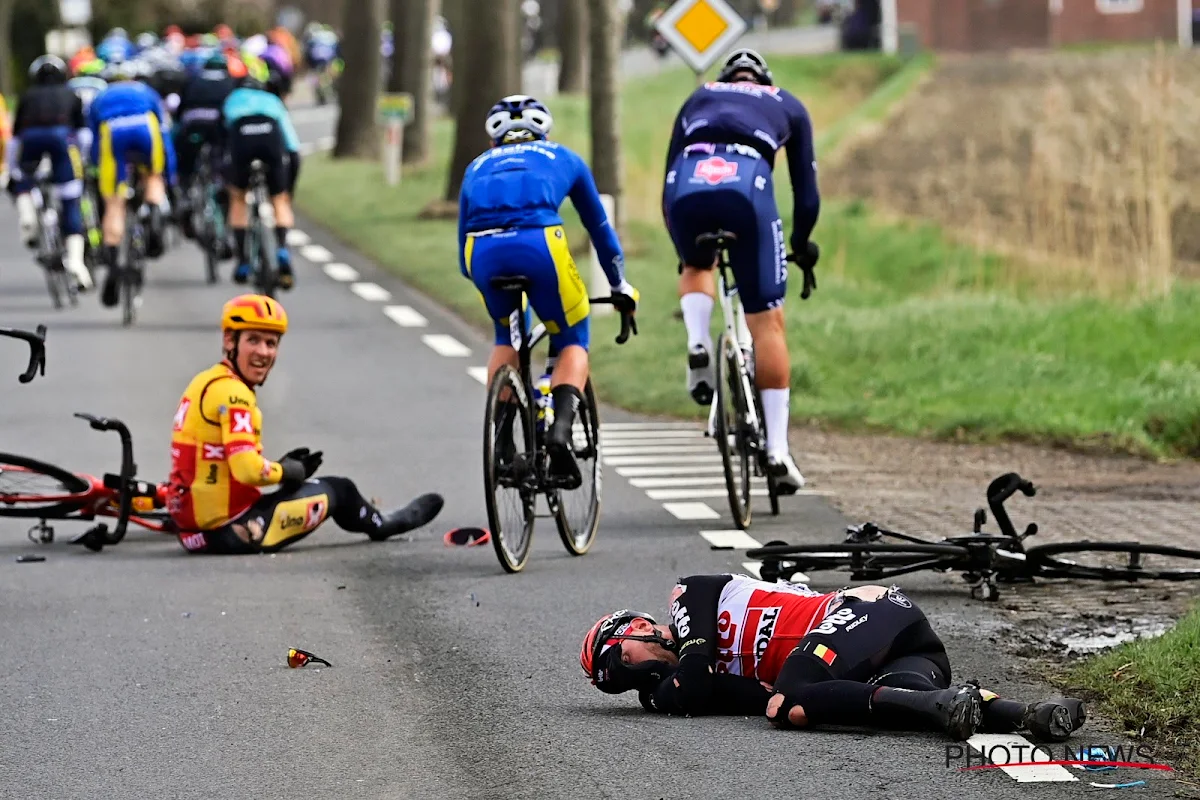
(734, 317)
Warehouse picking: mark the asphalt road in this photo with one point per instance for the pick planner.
(145, 672)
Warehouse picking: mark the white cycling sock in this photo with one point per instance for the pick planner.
(697, 315)
(775, 409)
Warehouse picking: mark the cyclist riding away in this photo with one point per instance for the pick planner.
(217, 465)
(201, 121)
(862, 656)
(50, 123)
(127, 121)
(719, 176)
(508, 224)
(259, 128)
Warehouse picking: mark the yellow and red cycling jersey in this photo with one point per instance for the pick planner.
(217, 463)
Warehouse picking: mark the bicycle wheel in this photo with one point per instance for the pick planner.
(130, 281)
(862, 558)
(510, 478)
(1101, 561)
(32, 488)
(731, 422)
(577, 513)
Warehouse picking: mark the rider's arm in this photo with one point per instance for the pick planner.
(83, 132)
(732, 695)
(290, 139)
(234, 405)
(462, 225)
(802, 168)
(586, 199)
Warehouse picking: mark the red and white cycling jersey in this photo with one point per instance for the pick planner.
(760, 623)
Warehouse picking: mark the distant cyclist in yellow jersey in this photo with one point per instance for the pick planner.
(217, 465)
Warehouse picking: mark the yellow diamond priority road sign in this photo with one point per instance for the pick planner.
(700, 31)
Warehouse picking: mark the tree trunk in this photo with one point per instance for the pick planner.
(6, 54)
(572, 46)
(398, 13)
(786, 13)
(358, 86)
(485, 50)
(413, 70)
(604, 95)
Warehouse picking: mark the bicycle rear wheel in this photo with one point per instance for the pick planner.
(32, 488)
(1116, 561)
(863, 559)
(509, 469)
(577, 515)
(731, 423)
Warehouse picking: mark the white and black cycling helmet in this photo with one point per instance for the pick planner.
(746, 60)
(516, 118)
(48, 69)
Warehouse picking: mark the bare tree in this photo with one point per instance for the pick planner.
(6, 53)
(606, 28)
(572, 46)
(412, 68)
(485, 50)
(358, 87)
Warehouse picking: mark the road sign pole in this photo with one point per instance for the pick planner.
(393, 151)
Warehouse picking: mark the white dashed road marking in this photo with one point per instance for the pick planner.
(371, 292)
(316, 254)
(1013, 749)
(716, 479)
(730, 540)
(341, 272)
(688, 511)
(632, 461)
(684, 494)
(446, 345)
(683, 469)
(297, 238)
(478, 373)
(405, 316)
(665, 449)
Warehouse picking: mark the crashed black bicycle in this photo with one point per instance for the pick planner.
(872, 553)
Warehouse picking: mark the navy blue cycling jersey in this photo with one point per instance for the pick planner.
(522, 186)
(768, 119)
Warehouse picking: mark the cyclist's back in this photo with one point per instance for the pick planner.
(243, 102)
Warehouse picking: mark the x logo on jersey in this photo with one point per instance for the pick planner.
(242, 422)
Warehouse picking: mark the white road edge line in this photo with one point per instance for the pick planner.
(689, 511)
(372, 292)
(446, 345)
(405, 316)
(341, 272)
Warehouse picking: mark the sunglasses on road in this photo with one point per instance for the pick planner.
(299, 658)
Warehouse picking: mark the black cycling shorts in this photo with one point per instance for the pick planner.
(275, 521)
(190, 139)
(864, 641)
(258, 138)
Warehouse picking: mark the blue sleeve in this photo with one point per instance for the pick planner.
(673, 151)
(802, 169)
(463, 196)
(285, 124)
(586, 199)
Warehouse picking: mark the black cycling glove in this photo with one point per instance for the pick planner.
(806, 257)
(300, 464)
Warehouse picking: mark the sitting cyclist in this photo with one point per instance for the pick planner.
(259, 128)
(862, 656)
(719, 176)
(508, 225)
(200, 121)
(217, 464)
(127, 121)
(50, 123)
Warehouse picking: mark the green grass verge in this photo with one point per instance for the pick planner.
(1150, 684)
(908, 331)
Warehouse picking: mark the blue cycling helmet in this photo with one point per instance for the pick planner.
(518, 118)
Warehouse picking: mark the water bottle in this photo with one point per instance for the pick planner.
(545, 403)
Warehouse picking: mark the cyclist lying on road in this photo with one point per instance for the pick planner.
(217, 463)
(862, 656)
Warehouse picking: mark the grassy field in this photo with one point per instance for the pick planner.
(908, 331)
(1149, 688)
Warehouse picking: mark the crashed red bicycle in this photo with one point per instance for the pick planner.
(33, 489)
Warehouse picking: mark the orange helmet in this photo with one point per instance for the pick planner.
(254, 312)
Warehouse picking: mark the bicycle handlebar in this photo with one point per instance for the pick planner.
(128, 468)
(999, 491)
(628, 323)
(37, 350)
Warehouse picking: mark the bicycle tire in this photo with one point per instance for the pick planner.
(511, 559)
(730, 397)
(1045, 557)
(579, 541)
(53, 507)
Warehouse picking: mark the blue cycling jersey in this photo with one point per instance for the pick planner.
(115, 50)
(243, 103)
(523, 185)
(768, 119)
(126, 99)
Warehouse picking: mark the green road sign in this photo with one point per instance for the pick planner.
(394, 107)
